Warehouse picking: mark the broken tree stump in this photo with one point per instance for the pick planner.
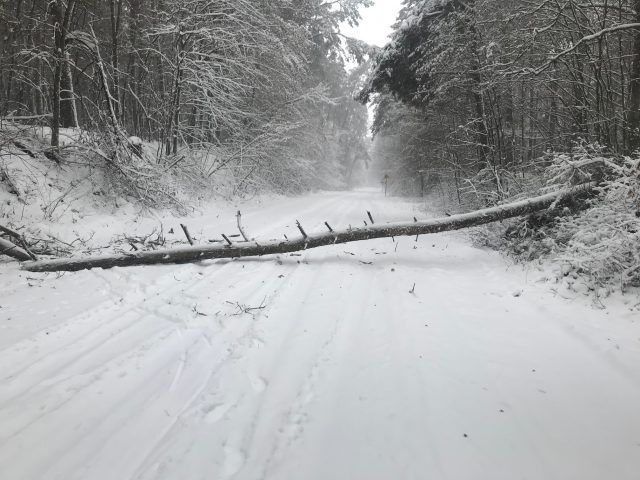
(306, 242)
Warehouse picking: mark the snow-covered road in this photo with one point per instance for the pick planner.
(317, 367)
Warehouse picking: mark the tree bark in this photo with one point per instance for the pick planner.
(306, 242)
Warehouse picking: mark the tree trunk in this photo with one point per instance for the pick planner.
(116, 10)
(68, 111)
(134, 25)
(633, 117)
(306, 242)
(61, 18)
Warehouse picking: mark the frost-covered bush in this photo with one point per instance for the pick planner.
(604, 241)
(596, 236)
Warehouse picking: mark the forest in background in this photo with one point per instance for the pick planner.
(479, 94)
(254, 89)
(482, 101)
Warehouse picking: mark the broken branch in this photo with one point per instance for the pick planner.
(304, 234)
(370, 217)
(226, 239)
(186, 234)
(239, 218)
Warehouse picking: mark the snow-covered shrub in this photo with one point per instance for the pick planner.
(585, 163)
(491, 186)
(597, 235)
(604, 241)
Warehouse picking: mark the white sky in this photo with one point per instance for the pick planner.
(376, 22)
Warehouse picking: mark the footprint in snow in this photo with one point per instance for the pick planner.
(258, 384)
(233, 462)
(215, 413)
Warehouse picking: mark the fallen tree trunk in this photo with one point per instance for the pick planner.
(306, 242)
(8, 248)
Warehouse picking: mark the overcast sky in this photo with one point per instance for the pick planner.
(375, 26)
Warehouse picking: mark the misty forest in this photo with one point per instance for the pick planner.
(319, 239)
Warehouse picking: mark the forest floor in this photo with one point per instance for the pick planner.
(385, 359)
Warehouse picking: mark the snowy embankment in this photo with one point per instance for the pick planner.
(376, 360)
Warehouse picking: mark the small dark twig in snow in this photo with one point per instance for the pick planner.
(304, 234)
(226, 239)
(197, 312)
(239, 218)
(413, 289)
(242, 309)
(370, 217)
(186, 233)
(329, 226)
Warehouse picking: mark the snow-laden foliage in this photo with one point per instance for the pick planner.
(596, 238)
(479, 92)
(603, 242)
(256, 91)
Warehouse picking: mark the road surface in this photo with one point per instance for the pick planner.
(380, 360)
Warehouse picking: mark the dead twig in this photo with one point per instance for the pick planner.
(246, 309)
(186, 233)
(304, 234)
(239, 219)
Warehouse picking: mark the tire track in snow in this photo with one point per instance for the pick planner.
(109, 323)
(241, 404)
(133, 305)
(232, 341)
(297, 416)
(110, 309)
